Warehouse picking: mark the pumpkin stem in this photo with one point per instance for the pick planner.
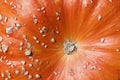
(70, 47)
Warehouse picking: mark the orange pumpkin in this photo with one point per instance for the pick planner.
(59, 39)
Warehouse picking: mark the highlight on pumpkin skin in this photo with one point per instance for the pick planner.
(59, 40)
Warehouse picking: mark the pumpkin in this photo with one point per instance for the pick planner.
(59, 39)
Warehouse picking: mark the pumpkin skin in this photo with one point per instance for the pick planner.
(93, 24)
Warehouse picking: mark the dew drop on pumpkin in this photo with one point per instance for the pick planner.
(5, 48)
(1, 17)
(9, 30)
(30, 77)
(1, 39)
